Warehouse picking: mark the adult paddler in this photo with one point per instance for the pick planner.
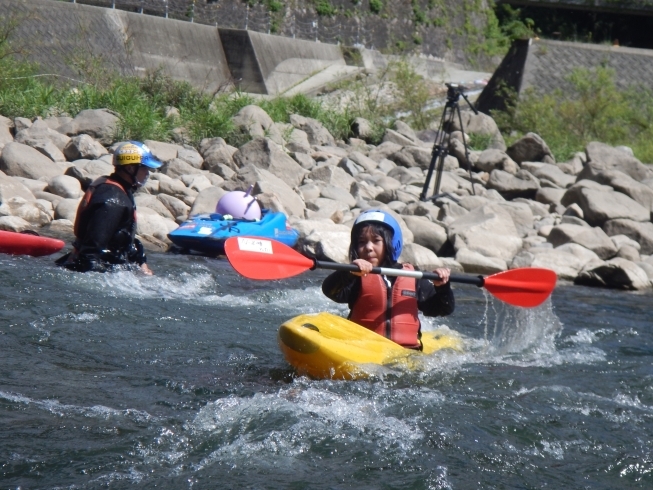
(105, 225)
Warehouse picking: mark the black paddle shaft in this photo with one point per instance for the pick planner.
(475, 280)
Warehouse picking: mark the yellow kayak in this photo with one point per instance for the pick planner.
(326, 346)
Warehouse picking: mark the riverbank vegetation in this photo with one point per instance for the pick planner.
(594, 110)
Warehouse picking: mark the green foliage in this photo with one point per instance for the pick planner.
(324, 7)
(412, 94)
(512, 26)
(376, 6)
(274, 5)
(593, 110)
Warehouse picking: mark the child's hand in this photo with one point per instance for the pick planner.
(364, 266)
(444, 276)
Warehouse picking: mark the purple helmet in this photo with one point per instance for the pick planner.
(240, 205)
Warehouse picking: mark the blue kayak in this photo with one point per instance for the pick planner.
(206, 233)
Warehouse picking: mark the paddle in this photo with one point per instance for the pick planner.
(264, 259)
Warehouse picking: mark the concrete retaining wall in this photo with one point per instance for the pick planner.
(75, 41)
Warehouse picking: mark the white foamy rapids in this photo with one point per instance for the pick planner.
(300, 301)
(278, 427)
(97, 412)
(188, 286)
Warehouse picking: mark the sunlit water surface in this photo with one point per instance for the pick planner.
(176, 381)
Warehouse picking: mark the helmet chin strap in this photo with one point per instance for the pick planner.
(128, 172)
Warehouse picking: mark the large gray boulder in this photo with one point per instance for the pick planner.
(101, 124)
(488, 230)
(420, 257)
(267, 155)
(523, 184)
(567, 261)
(601, 157)
(19, 160)
(30, 210)
(330, 174)
(413, 156)
(10, 187)
(491, 159)
(65, 186)
(83, 146)
(316, 132)
(481, 124)
(266, 182)
(217, 152)
(477, 263)
(600, 205)
(206, 201)
(625, 184)
(594, 239)
(616, 273)
(255, 122)
(530, 148)
(6, 125)
(641, 232)
(38, 132)
(323, 239)
(550, 173)
(149, 201)
(426, 233)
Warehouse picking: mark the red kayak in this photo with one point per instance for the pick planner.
(27, 244)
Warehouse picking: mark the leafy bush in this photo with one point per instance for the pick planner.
(593, 110)
(376, 6)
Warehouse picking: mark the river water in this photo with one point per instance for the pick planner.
(176, 381)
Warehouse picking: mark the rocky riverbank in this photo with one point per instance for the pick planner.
(588, 219)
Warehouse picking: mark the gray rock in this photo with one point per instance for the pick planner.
(206, 201)
(217, 152)
(575, 211)
(267, 155)
(549, 172)
(150, 223)
(642, 233)
(567, 261)
(364, 161)
(317, 134)
(625, 184)
(362, 128)
(350, 167)
(489, 231)
(10, 188)
(65, 186)
(83, 146)
(48, 148)
(338, 194)
(190, 156)
(322, 207)
(266, 182)
(298, 142)
(412, 156)
(20, 160)
(512, 186)
(384, 150)
(420, 257)
(548, 195)
(492, 159)
(600, 206)
(14, 223)
(330, 174)
(6, 126)
(101, 124)
(148, 201)
(426, 233)
(594, 239)
(616, 273)
(306, 161)
(530, 148)
(39, 131)
(476, 263)
(177, 208)
(392, 136)
(620, 240)
(629, 253)
(601, 157)
(30, 210)
(522, 259)
(176, 167)
(163, 151)
(66, 209)
(480, 124)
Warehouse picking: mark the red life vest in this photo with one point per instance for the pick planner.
(392, 315)
(87, 199)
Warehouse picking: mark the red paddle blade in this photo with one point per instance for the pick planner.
(525, 287)
(259, 258)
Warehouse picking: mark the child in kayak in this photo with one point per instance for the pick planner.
(387, 305)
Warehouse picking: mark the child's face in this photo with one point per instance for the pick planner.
(370, 247)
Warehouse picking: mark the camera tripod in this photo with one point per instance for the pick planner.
(442, 140)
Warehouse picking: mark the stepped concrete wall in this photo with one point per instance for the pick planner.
(75, 41)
